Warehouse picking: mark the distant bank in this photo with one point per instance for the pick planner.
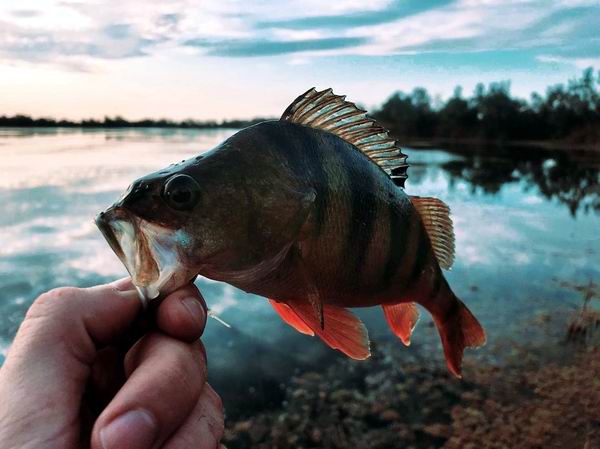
(25, 121)
(464, 144)
(565, 115)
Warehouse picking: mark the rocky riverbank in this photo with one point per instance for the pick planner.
(527, 401)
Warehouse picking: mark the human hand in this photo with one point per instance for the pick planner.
(71, 381)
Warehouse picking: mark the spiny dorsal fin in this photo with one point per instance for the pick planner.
(329, 112)
(435, 215)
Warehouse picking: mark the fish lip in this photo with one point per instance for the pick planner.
(152, 260)
(103, 223)
(143, 270)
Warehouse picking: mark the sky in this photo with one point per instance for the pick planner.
(219, 59)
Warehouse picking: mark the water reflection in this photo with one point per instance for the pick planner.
(523, 221)
(572, 180)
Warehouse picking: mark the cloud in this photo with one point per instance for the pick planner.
(394, 11)
(398, 28)
(118, 31)
(24, 13)
(468, 26)
(249, 48)
(580, 63)
(75, 34)
(57, 30)
(112, 42)
(168, 21)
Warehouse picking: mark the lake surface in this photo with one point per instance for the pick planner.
(527, 235)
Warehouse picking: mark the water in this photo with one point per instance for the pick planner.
(527, 230)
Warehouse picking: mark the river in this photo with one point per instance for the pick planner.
(527, 229)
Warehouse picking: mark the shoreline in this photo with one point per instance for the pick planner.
(475, 145)
(526, 400)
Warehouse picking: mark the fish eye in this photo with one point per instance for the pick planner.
(181, 192)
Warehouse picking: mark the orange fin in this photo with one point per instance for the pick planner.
(343, 330)
(402, 318)
(458, 331)
(290, 317)
(435, 215)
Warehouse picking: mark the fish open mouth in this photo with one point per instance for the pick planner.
(151, 254)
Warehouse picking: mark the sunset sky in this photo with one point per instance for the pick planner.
(230, 59)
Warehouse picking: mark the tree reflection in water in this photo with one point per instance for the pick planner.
(571, 178)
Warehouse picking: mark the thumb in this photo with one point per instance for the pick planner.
(69, 324)
(50, 360)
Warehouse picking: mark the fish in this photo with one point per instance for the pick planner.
(308, 211)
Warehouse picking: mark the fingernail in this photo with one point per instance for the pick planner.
(195, 309)
(136, 429)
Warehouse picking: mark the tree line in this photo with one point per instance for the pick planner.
(25, 121)
(568, 112)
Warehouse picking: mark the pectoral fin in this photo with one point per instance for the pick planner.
(308, 280)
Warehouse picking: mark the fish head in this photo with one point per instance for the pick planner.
(228, 215)
(148, 228)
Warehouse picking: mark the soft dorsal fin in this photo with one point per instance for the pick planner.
(435, 215)
(329, 112)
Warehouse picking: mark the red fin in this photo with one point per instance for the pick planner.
(402, 318)
(342, 330)
(290, 317)
(458, 331)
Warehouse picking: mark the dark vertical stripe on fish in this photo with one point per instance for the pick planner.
(305, 157)
(398, 235)
(422, 256)
(437, 284)
(252, 222)
(317, 168)
(363, 212)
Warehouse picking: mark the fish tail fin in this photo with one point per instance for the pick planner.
(458, 329)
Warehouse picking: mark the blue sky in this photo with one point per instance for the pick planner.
(225, 59)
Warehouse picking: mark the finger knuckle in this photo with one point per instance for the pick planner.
(220, 427)
(52, 301)
(185, 367)
(202, 351)
(214, 398)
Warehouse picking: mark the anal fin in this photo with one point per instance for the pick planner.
(402, 319)
(342, 330)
